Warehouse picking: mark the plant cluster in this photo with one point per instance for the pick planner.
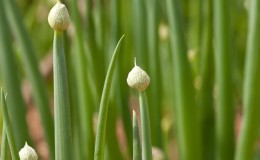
(197, 79)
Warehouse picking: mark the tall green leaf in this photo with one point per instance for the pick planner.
(103, 109)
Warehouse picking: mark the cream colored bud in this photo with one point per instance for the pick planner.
(27, 153)
(59, 18)
(138, 79)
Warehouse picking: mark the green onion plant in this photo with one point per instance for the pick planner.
(203, 64)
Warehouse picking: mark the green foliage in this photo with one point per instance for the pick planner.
(203, 62)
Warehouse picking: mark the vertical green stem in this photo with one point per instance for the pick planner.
(251, 92)
(63, 142)
(121, 90)
(186, 109)
(95, 52)
(145, 127)
(137, 153)
(103, 109)
(225, 107)
(86, 106)
(9, 130)
(154, 67)
(4, 146)
(206, 90)
(140, 35)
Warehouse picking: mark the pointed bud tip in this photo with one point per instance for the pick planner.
(59, 18)
(138, 78)
(27, 153)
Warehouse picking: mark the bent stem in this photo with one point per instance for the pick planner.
(101, 127)
(63, 138)
(145, 127)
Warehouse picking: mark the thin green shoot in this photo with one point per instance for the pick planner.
(101, 127)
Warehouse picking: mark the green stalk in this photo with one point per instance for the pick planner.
(100, 25)
(101, 127)
(63, 139)
(145, 127)
(225, 107)
(17, 107)
(86, 106)
(154, 67)
(9, 130)
(4, 146)
(206, 90)
(186, 110)
(195, 23)
(137, 153)
(121, 91)
(76, 131)
(29, 59)
(251, 86)
(140, 35)
(69, 49)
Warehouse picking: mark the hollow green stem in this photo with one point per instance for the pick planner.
(137, 154)
(145, 127)
(251, 86)
(206, 91)
(9, 130)
(103, 109)
(225, 108)
(63, 139)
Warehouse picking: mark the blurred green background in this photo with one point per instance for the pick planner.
(96, 26)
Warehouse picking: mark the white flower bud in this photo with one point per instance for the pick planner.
(27, 153)
(138, 79)
(59, 18)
